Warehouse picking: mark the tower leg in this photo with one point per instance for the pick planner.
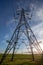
(13, 54)
(32, 52)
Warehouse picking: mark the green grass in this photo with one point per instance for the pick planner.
(22, 59)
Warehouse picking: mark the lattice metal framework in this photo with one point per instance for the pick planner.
(16, 36)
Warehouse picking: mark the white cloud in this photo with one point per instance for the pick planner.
(39, 14)
(6, 36)
(38, 30)
(10, 22)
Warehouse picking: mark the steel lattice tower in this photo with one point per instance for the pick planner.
(15, 37)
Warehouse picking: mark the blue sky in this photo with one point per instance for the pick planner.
(8, 10)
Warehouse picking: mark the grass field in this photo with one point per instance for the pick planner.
(22, 59)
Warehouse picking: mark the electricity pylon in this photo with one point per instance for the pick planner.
(25, 28)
